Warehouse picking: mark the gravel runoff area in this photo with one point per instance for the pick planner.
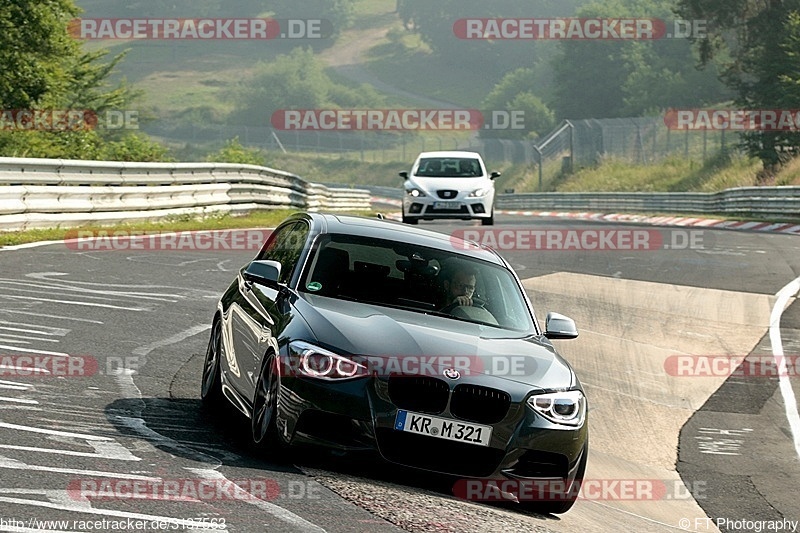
(419, 510)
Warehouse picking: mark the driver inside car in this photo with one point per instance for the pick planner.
(459, 287)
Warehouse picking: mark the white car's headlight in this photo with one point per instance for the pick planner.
(567, 408)
(315, 362)
(478, 193)
(416, 193)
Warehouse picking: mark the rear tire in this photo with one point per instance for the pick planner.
(211, 385)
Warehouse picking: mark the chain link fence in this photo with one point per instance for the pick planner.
(371, 146)
(570, 146)
(643, 140)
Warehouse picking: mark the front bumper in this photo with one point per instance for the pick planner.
(427, 208)
(360, 415)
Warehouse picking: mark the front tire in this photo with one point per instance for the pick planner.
(262, 419)
(488, 221)
(407, 220)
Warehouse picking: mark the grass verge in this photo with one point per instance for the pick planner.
(267, 218)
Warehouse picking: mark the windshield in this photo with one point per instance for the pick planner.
(415, 278)
(449, 167)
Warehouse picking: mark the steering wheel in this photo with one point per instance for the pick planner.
(476, 302)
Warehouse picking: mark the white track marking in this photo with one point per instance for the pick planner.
(138, 425)
(18, 400)
(14, 464)
(103, 450)
(789, 399)
(174, 339)
(7, 337)
(31, 350)
(41, 330)
(57, 317)
(53, 432)
(70, 302)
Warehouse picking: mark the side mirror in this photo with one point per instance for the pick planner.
(558, 326)
(494, 175)
(263, 272)
(403, 175)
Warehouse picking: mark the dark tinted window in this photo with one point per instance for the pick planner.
(449, 167)
(286, 246)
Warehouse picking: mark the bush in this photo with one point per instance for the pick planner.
(234, 152)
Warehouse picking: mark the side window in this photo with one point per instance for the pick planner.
(286, 246)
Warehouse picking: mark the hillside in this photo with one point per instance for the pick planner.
(193, 93)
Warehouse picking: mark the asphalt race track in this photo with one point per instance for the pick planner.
(674, 444)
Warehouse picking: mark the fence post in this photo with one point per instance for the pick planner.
(539, 162)
(705, 140)
(686, 145)
(571, 151)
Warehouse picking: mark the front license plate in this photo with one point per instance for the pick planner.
(447, 205)
(442, 428)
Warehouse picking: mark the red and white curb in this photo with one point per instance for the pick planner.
(661, 220)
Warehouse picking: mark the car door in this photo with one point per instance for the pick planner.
(255, 319)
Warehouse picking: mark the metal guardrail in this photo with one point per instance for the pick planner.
(778, 203)
(37, 193)
(760, 202)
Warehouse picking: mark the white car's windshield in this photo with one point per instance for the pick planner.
(449, 167)
(416, 278)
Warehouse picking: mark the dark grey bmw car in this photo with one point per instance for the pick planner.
(349, 333)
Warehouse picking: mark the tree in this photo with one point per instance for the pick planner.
(757, 45)
(44, 67)
(34, 47)
(515, 93)
(616, 78)
(294, 81)
(434, 21)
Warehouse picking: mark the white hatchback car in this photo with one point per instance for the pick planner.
(449, 185)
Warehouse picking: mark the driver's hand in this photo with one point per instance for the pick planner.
(462, 300)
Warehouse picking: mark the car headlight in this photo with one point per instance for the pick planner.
(416, 193)
(478, 193)
(317, 363)
(567, 408)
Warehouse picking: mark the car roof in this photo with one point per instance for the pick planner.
(452, 153)
(396, 231)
